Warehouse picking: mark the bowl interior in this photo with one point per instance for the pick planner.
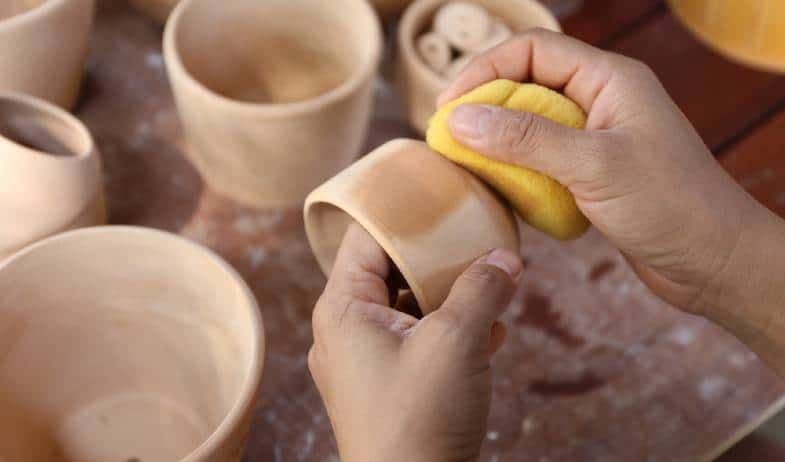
(119, 346)
(10, 8)
(42, 129)
(276, 51)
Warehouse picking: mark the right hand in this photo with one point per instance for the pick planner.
(639, 171)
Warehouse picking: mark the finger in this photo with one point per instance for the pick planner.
(360, 271)
(525, 139)
(498, 337)
(548, 58)
(481, 294)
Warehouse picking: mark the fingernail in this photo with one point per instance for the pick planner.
(471, 121)
(506, 261)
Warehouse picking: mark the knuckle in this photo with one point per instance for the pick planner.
(445, 321)
(313, 359)
(518, 134)
(486, 276)
(637, 67)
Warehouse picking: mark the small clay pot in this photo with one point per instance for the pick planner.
(419, 85)
(390, 8)
(50, 173)
(43, 46)
(159, 10)
(126, 344)
(275, 96)
(432, 217)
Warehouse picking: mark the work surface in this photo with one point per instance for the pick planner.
(595, 367)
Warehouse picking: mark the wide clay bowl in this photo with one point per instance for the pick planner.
(418, 84)
(43, 46)
(125, 344)
(275, 96)
(431, 217)
(50, 173)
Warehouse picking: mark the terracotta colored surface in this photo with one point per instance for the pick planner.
(595, 368)
(719, 97)
(600, 20)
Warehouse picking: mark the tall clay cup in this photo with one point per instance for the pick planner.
(43, 46)
(50, 173)
(125, 344)
(275, 96)
(431, 217)
(418, 84)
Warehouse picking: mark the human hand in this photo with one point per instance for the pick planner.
(639, 171)
(398, 388)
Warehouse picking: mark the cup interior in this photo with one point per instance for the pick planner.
(276, 51)
(121, 345)
(11, 8)
(43, 129)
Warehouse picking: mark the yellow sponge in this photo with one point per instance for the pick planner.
(540, 200)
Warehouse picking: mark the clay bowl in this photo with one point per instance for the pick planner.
(159, 10)
(432, 217)
(43, 45)
(417, 83)
(50, 173)
(125, 344)
(275, 96)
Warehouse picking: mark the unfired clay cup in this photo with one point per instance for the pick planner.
(125, 344)
(159, 10)
(275, 96)
(43, 46)
(50, 173)
(432, 217)
(419, 85)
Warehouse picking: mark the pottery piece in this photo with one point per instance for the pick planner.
(43, 46)
(748, 32)
(159, 10)
(432, 217)
(390, 8)
(419, 85)
(126, 344)
(50, 173)
(275, 96)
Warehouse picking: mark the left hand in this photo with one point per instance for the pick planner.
(398, 388)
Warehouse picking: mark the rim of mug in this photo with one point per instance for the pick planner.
(360, 75)
(252, 382)
(31, 14)
(407, 33)
(75, 125)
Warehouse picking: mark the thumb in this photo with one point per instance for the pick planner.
(480, 296)
(521, 138)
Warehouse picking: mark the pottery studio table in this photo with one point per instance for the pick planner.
(595, 367)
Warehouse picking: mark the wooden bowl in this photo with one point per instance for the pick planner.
(43, 46)
(275, 96)
(748, 32)
(432, 217)
(159, 10)
(126, 344)
(418, 84)
(50, 173)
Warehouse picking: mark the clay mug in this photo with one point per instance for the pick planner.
(432, 217)
(50, 173)
(159, 10)
(418, 84)
(43, 47)
(275, 96)
(125, 344)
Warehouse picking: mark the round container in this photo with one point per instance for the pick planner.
(433, 218)
(43, 46)
(275, 96)
(750, 32)
(125, 344)
(419, 85)
(50, 173)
